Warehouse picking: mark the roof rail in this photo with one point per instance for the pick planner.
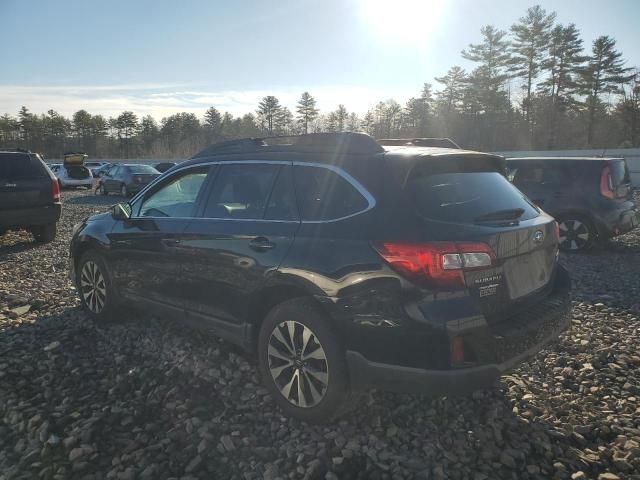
(343, 142)
(20, 150)
(420, 142)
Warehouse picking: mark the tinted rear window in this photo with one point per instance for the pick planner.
(20, 166)
(619, 173)
(465, 197)
(142, 169)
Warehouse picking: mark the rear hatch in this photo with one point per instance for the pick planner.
(493, 241)
(615, 178)
(78, 172)
(24, 181)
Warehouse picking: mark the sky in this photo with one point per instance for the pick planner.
(160, 57)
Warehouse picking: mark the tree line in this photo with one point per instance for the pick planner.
(534, 87)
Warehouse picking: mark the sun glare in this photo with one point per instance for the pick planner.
(401, 21)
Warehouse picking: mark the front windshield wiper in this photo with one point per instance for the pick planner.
(511, 214)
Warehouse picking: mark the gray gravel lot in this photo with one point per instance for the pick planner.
(143, 398)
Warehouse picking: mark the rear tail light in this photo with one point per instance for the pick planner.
(606, 183)
(457, 350)
(437, 265)
(55, 190)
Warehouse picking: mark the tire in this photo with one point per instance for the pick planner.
(94, 286)
(44, 233)
(577, 233)
(124, 191)
(320, 363)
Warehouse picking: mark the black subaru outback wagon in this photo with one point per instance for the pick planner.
(341, 265)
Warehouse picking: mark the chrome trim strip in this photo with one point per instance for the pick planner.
(371, 201)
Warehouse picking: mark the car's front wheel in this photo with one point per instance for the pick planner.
(101, 189)
(302, 363)
(577, 234)
(124, 191)
(94, 286)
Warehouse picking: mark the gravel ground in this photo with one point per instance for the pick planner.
(141, 398)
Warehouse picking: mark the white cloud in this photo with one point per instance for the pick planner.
(160, 100)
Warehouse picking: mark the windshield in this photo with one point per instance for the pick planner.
(467, 197)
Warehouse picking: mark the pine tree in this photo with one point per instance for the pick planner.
(268, 111)
(604, 73)
(213, 121)
(564, 63)
(487, 80)
(529, 50)
(455, 82)
(306, 110)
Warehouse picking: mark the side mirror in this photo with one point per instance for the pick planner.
(121, 211)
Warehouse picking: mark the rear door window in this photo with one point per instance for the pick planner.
(241, 191)
(466, 197)
(528, 175)
(324, 195)
(20, 167)
(282, 202)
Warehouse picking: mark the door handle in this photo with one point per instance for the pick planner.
(261, 244)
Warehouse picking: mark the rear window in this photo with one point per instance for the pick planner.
(619, 173)
(142, 169)
(20, 166)
(325, 195)
(465, 197)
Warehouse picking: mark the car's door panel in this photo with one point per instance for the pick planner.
(146, 253)
(227, 260)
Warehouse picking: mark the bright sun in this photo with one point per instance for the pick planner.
(402, 21)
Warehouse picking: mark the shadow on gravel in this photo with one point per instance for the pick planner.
(100, 200)
(142, 394)
(16, 242)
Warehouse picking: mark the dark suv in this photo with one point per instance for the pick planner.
(591, 198)
(29, 195)
(340, 264)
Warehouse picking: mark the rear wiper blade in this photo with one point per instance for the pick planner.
(508, 214)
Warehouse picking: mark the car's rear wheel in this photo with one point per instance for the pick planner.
(302, 362)
(44, 233)
(94, 286)
(577, 233)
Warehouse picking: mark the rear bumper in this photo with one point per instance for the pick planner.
(510, 343)
(621, 222)
(24, 217)
(69, 182)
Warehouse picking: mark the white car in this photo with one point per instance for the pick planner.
(72, 175)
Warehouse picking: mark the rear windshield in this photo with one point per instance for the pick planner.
(619, 173)
(141, 169)
(467, 197)
(20, 166)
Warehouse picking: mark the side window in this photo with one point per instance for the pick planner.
(177, 196)
(325, 195)
(241, 191)
(114, 171)
(282, 202)
(528, 174)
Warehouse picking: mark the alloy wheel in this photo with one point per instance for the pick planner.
(574, 234)
(298, 364)
(93, 286)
